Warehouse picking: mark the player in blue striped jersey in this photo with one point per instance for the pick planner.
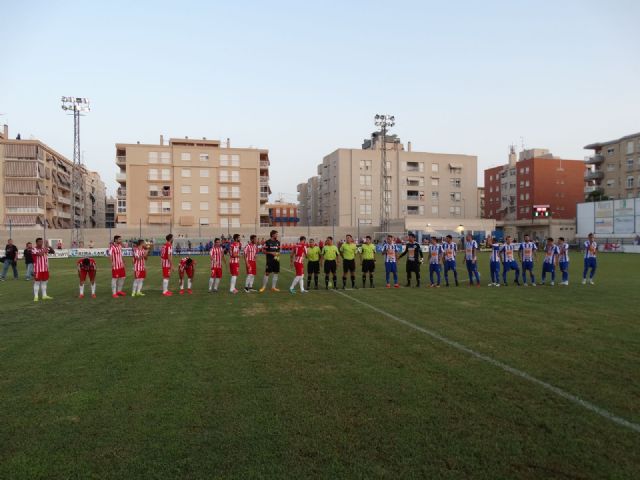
(494, 261)
(551, 253)
(449, 251)
(590, 259)
(435, 258)
(527, 257)
(508, 252)
(471, 259)
(390, 254)
(563, 261)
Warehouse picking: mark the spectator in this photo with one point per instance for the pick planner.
(60, 244)
(28, 261)
(10, 259)
(90, 243)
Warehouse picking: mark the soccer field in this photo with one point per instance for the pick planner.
(371, 383)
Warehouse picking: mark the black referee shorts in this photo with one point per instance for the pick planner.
(313, 267)
(330, 267)
(349, 265)
(368, 266)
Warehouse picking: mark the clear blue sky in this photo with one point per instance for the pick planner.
(304, 78)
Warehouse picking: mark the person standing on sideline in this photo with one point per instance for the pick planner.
(471, 259)
(527, 257)
(41, 269)
(28, 260)
(435, 259)
(250, 252)
(563, 262)
(118, 272)
(348, 253)
(590, 259)
(329, 255)
(390, 255)
(313, 263)
(414, 259)
(551, 253)
(297, 261)
(166, 256)
(368, 255)
(10, 260)
(272, 251)
(449, 250)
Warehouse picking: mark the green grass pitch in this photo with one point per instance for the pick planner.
(276, 385)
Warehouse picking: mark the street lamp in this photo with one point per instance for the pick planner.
(384, 122)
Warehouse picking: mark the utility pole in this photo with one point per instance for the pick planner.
(384, 122)
(76, 105)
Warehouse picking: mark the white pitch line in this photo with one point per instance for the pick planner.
(507, 368)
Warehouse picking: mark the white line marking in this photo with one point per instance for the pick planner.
(507, 368)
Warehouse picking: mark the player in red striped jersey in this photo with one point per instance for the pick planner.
(166, 256)
(118, 273)
(234, 262)
(297, 260)
(87, 268)
(250, 252)
(140, 255)
(40, 269)
(217, 259)
(187, 266)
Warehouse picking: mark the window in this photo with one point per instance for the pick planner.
(224, 222)
(490, 178)
(122, 205)
(629, 182)
(365, 165)
(186, 173)
(154, 191)
(224, 160)
(153, 157)
(415, 210)
(435, 167)
(165, 157)
(365, 195)
(415, 181)
(204, 221)
(185, 189)
(435, 196)
(521, 170)
(526, 196)
(235, 207)
(154, 207)
(522, 196)
(434, 210)
(521, 183)
(185, 157)
(490, 189)
(186, 205)
(629, 163)
(153, 174)
(235, 176)
(166, 174)
(365, 209)
(526, 184)
(435, 182)
(455, 196)
(526, 170)
(610, 151)
(235, 160)
(235, 222)
(455, 170)
(456, 182)
(224, 207)
(455, 211)
(204, 157)
(414, 166)
(204, 205)
(611, 167)
(204, 173)
(629, 148)
(204, 189)
(223, 175)
(365, 180)
(166, 207)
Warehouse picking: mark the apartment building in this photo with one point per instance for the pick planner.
(283, 214)
(110, 212)
(536, 177)
(191, 182)
(36, 187)
(420, 184)
(308, 201)
(480, 202)
(613, 169)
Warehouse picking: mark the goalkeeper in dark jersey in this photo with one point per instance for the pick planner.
(414, 259)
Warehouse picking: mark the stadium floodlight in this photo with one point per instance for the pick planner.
(75, 104)
(384, 122)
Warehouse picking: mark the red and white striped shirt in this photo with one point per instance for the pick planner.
(216, 255)
(300, 251)
(40, 259)
(115, 252)
(90, 268)
(183, 266)
(250, 252)
(165, 255)
(234, 252)
(139, 262)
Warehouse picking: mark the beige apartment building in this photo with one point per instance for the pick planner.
(191, 182)
(35, 183)
(613, 169)
(421, 185)
(308, 201)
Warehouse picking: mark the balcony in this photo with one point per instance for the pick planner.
(595, 175)
(594, 160)
(264, 164)
(591, 189)
(61, 214)
(121, 177)
(64, 200)
(122, 192)
(415, 198)
(264, 181)
(121, 161)
(263, 211)
(264, 196)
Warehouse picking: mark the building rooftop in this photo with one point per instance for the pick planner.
(594, 146)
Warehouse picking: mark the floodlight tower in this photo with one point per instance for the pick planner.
(76, 105)
(384, 122)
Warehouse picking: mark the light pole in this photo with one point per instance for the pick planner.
(384, 122)
(76, 105)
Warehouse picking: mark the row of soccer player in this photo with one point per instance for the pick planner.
(439, 255)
